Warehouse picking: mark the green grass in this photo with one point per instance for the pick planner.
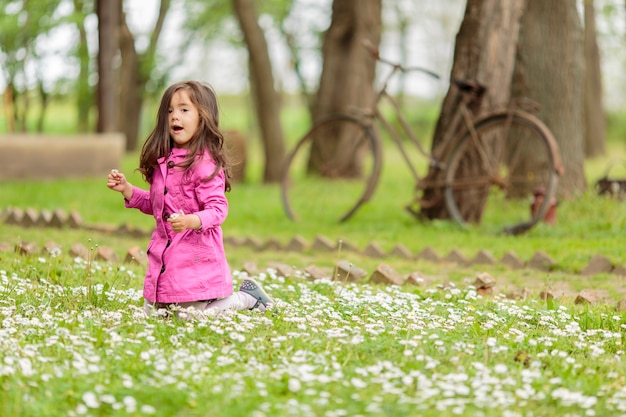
(73, 340)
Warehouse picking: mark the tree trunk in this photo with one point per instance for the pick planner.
(83, 91)
(45, 100)
(484, 52)
(266, 99)
(595, 127)
(108, 18)
(348, 72)
(135, 73)
(8, 108)
(549, 70)
(297, 63)
(130, 88)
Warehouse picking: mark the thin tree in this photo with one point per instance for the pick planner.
(135, 73)
(84, 94)
(108, 22)
(266, 98)
(20, 32)
(595, 125)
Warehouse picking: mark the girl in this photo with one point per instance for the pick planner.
(183, 160)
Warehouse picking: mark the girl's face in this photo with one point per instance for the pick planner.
(183, 118)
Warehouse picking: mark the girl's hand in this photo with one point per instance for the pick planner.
(116, 181)
(181, 222)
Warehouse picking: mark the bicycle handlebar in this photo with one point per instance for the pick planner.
(374, 51)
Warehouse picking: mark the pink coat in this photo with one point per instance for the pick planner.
(188, 266)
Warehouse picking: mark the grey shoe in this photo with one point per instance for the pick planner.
(253, 288)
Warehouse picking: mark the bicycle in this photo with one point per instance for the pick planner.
(484, 161)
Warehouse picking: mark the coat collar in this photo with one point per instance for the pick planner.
(178, 152)
(175, 153)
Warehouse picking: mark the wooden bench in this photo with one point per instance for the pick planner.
(43, 156)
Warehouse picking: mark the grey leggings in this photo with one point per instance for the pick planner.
(236, 301)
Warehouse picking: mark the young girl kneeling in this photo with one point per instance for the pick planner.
(184, 162)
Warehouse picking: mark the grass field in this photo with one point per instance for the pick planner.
(74, 341)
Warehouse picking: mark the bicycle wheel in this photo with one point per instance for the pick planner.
(332, 171)
(503, 173)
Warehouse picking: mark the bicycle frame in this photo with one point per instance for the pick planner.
(383, 95)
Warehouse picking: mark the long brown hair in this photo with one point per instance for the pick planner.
(208, 137)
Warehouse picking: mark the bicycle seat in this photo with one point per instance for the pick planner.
(472, 87)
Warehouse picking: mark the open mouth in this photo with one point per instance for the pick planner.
(177, 129)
